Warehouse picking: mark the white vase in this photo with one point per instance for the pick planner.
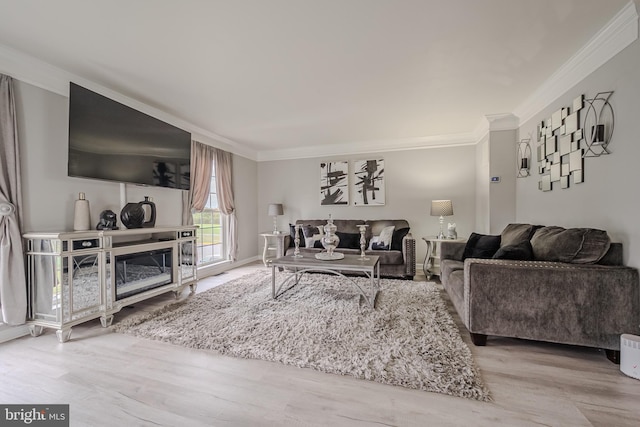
(81, 215)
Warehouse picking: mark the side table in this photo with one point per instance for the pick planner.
(272, 242)
(431, 264)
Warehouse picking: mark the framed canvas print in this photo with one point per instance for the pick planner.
(368, 186)
(334, 183)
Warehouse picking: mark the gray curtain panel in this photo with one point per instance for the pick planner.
(224, 189)
(197, 163)
(203, 158)
(13, 289)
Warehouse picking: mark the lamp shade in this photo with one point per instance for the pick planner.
(441, 208)
(275, 209)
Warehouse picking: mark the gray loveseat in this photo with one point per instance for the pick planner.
(397, 260)
(564, 286)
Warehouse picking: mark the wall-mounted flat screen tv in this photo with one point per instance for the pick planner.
(114, 142)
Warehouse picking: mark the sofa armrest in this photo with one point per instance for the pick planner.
(588, 305)
(409, 254)
(452, 250)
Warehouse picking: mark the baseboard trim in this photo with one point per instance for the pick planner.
(224, 266)
(8, 333)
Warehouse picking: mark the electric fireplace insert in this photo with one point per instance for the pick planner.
(141, 271)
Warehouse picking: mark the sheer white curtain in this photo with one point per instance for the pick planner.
(13, 287)
(203, 158)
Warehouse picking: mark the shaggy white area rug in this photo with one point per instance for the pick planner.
(409, 340)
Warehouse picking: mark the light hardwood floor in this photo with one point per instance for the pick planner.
(112, 379)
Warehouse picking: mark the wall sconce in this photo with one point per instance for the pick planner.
(275, 209)
(598, 124)
(523, 157)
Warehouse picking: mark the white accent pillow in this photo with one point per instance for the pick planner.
(309, 242)
(383, 240)
(386, 235)
(316, 234)
(373, 240)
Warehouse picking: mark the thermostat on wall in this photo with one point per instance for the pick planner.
(495, 179)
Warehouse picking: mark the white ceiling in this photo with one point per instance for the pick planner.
(291, 74)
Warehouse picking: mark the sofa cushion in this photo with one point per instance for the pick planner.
(448, 266)
(481, 246)
(520, 252)
(572, 245)
(396, 240)
(349, 240)
(390, 257)
(514, 234)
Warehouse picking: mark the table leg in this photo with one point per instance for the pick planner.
(264, 251)
(427, 260)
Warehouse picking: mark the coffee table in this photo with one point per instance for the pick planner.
(370, 266)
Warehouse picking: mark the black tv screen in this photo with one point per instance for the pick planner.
(114, 142)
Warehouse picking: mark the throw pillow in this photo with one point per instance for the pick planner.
(349, 240)
(376, 245)
(481, 246)
(520, 252)
(396, 240)
(382, 242)
(387, 234)
(573, 245)
(514, 234)
(311, 235)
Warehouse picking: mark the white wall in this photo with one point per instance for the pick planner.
(608, 199)
(245, 189)
(49, 194)
(413, 179)
(502, 163)
(483, 172)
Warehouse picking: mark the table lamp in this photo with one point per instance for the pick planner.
(441, 208)
(275, 209)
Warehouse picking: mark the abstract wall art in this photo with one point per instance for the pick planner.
(368, 187)
(334, 183)
(569, 136)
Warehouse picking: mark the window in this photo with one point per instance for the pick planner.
(210, 244)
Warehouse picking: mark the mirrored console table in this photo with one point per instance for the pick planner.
(78, 276)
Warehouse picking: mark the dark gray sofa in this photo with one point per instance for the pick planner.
(580, 302)
(398, 262)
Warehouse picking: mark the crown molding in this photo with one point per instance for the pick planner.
(504, 121)
(34, 71)
(366, 147)
(45, 76)
(617, 34)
